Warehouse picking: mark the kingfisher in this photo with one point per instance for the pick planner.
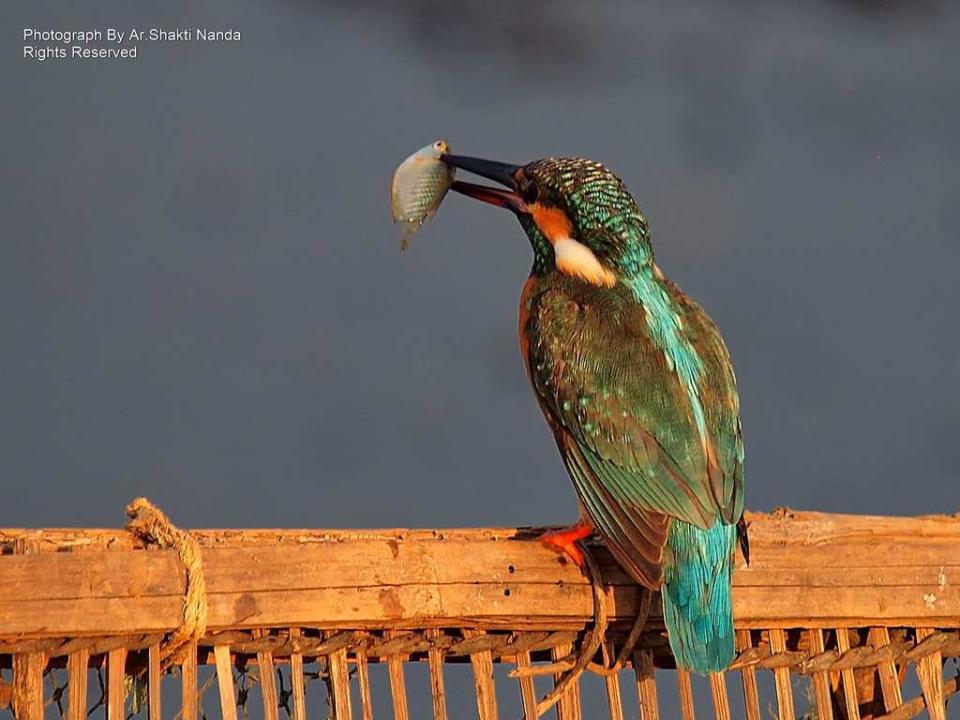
(637, 386)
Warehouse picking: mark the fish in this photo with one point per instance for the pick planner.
(418, 187)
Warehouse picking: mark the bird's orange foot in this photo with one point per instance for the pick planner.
(565, 541)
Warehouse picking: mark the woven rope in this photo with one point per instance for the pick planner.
(151, 525)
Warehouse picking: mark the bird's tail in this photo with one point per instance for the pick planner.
(697, 603)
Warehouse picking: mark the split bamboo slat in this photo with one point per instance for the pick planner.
(188, 680)
(438, 690)
(781, 675)
(398, 685)
(78, 665)
(569, 706)
(646, 685)
(721, 701)
(685, 690)
(363, 683)
(849, 605)
(153, 681)
(886, 670)
(528, 692)
(751, 695)
(228, 706)
(116, 692)
(847, 678)
(821, 680)
(268, 683)
(297, 689)
(612, 686)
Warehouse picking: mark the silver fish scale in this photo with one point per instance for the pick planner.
(419, 185)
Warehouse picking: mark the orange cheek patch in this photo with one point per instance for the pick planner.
(572, 258)
(553, 222)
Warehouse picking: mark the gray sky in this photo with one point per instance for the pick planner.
(202, 299)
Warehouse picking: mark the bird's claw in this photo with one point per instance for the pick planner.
(565, 541)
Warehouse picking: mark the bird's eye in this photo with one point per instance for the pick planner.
(529, 191)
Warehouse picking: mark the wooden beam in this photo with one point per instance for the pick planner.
(808, 570)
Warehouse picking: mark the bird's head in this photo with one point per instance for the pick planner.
(578, 215)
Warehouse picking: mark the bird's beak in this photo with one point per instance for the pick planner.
(503, 173)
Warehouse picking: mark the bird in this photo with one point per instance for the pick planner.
(638, 388)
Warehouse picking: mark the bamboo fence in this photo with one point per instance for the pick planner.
(840, 616)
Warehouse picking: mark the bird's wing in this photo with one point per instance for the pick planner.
(624, 424)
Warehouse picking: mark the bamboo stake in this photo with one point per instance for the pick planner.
(268, 685)
(482, 663)
(778, 644)
(686, 695)
(437, 688)
(116, 687)
(188, 679)
(340, 679)
(296, 679)
(646, 685)
(612, 683)
(528, 691)
(228, 702)
(28, 685)
(748, 675)
(398, 687)
(153, 682)
(849, 680)
(78, 665)
(363, 680)
(718, 690)
(931, 681)
(887, 670)
(568, 707)
(820, 680)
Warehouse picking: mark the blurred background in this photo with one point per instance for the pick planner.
(202, 298)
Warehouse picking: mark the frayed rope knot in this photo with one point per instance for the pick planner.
(151, 525)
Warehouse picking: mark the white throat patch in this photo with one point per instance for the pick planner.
(577, 260)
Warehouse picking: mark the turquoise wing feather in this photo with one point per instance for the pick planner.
(623, 420)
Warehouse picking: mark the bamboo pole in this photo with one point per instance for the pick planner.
(116, 687)
(340, 679)
(718, 691)
(153, 682)
(778, 643)
(612, 686)
(748, 676)
(78, 665)
(848, 679)
(438, 691)
(646, 685)
(686, 695)
(398, 686)
(28, 685)
(268, 685)
(363, 681)
(887, 670)
(297, 690)
(486, 692)
(528, 692)
(821, 680)
(188, 679)
(568, 707)
(931, 681)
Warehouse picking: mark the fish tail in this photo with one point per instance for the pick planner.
(697, 602)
